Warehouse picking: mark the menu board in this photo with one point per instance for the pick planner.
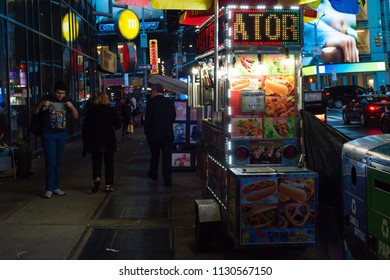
(282, 212)
(263, 108)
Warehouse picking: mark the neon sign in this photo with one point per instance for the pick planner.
(266, 27)
(153, 53)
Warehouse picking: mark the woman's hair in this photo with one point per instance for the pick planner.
(102, 98)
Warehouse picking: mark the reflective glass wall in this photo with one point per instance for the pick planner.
(42, 41)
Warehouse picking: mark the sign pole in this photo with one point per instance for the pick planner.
(145, 90)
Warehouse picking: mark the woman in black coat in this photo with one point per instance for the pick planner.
(99, 139)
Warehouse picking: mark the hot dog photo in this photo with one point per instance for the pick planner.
(296, 189)
(279, 85)
(255, 190)
(243, 83)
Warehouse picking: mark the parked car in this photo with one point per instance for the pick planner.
(338, 96)
(385, 120)
(366, 109)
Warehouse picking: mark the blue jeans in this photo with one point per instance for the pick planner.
(54, 146)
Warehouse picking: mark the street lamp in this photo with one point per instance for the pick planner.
(179, 56)
(194, 94)
(316, 50)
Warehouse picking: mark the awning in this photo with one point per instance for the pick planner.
(169, 83)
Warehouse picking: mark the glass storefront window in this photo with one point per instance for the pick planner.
(2, 7)
(34, 54)
(46, 65)
(16, 10)
(45, 17)
(4, 112)
(32, 12)
(18, 81)
(57, 21)
(33, 83)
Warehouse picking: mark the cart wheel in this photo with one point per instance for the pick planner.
(207, 223)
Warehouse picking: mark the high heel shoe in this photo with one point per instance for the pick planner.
(96, 185)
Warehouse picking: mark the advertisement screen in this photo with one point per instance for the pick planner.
(332, 31)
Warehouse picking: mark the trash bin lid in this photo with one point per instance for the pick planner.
(358, 148)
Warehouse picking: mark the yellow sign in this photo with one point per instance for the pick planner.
(70, 27)
(127, 24)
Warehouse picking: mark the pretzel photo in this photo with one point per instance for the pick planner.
(297, 213)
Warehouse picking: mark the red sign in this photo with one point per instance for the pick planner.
(205, 37)
(128, 57)
(153, 54)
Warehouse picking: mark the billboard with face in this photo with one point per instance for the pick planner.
(330, 33)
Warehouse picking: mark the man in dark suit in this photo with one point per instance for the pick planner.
(159, 117)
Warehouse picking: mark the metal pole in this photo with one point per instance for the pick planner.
(216, 43)
(317, 58)
(144, 57)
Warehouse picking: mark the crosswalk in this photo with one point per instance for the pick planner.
(334, 118)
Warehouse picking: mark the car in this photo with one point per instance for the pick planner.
(385, 120)
(366, 109)
(338, 96)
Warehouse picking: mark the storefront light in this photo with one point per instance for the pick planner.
(195, 71)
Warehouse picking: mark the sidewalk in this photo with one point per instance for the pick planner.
(141, 219)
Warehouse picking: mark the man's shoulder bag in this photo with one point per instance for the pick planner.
(36, 125)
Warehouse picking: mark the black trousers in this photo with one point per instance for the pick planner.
(97, 160)
(165, 147)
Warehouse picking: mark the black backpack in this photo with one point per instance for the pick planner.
(36, 125)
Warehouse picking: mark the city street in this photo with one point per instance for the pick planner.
(354, 130)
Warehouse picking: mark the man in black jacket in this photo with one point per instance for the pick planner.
(159, 117)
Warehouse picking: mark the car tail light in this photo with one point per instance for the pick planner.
(373, 108)
(327, 93)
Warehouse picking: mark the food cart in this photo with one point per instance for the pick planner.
(250, 155)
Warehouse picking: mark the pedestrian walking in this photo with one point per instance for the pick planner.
(99, 140)
(55, 109)
(126, 114)
(159, 118)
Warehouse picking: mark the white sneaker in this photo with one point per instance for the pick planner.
(47, 194)
(58, 192)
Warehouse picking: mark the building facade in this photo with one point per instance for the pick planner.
(42, 41)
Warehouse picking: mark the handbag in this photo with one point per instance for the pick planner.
(130, 128)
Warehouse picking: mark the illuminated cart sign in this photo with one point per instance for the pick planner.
(266, 27)
(205, 37)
